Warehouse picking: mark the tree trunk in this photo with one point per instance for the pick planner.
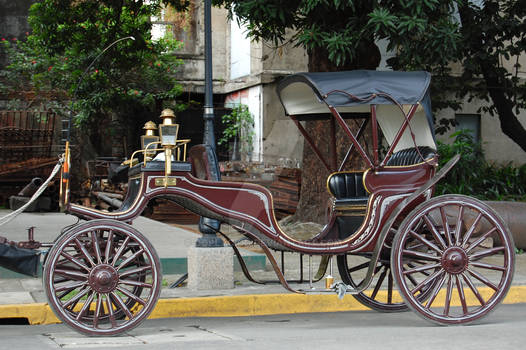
(314, 195)
(496, 83)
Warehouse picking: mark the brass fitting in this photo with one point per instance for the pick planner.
(168, 116)
(150, 128)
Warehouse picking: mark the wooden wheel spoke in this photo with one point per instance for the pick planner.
(445, 224)
(422, 256)
(131, 296)
(85, 307)
(98, 309)
(425, 241)
(461, 294)
(483, 279)
(70, 287)
(480, 239)
(421, 268)
(474, 289)
(130, 259)
(109, 246)
(75, 261)
(389, 287)
(73, 301)
(378, 284)
(449, 292)
(436, 290)
(136, 283)
(96, 246)
(426, 281)
(134, 271)
(359, 267)
(121, 304)
(412, 264)
(120, 250)
(415, 246)
(485, 253)
(471, 229)
(434, 231)
(111, 313)
(84, 251)
(412, 280)
(458, 234)
(72, 274)
(488, 266)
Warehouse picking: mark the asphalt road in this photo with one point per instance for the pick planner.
(503, 329)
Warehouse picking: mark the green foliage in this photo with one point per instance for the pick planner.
(239, 126)
(129, 79)
(473, 176)
(419, 30)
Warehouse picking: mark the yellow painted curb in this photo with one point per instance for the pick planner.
(38, 313)
(251, 305)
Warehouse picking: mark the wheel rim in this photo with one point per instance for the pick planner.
(465, 249)
(380, 295)
(102, 277)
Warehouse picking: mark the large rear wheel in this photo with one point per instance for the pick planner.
(467, 253)
(102, 277)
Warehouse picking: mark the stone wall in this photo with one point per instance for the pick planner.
(13, 20)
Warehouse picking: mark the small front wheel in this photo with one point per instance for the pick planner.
(463, 249)
(102, 277)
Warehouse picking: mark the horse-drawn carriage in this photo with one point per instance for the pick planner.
(103, 276)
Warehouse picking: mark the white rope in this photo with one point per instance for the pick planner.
(4, 220)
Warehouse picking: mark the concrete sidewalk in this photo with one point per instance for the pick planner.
(23, 297)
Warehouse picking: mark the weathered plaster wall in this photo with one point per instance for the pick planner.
(498, 148)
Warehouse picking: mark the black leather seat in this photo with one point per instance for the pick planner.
(350, 200)
(410, 156)
(347, 188)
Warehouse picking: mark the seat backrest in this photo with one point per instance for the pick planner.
(347, 185)
(204, 160)
(410, 156)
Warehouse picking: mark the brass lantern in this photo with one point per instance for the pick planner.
(149, 140)
(168, 129)
(168, 132)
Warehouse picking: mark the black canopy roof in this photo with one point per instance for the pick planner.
(306, 96)
(404, 87)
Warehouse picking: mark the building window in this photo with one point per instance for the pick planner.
(469, 122)
(239, 50)
(177, 25)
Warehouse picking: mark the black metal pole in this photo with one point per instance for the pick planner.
(207, 226)
(208, 115)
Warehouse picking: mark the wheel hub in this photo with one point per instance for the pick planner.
(103, 278)
(454, 260)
